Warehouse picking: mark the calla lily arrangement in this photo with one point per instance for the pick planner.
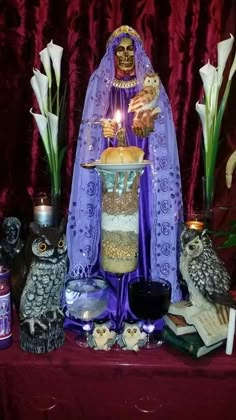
(51, 109)
(212, 110)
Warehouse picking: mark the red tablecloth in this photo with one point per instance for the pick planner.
(77, 383)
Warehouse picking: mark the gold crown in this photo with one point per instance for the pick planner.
(124, 29)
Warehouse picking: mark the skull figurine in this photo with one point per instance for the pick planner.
(125, 55)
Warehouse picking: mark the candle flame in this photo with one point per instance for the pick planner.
(118, 116)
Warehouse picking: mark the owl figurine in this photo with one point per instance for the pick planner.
(132, 338)
(102, 338)
(207, 279)
(143, 105)
(44, 268)
(145, 100)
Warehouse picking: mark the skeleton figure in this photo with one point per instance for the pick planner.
(206, 277)
(110, 88)
(45, 274)
(124, 56)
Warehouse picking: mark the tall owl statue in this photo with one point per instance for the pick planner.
(206, 277)
(43, 269)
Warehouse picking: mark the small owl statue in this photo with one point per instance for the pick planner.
(144, 105)
(43, 267)
(147, 97)
(206, 277)
(132, 338)
(102, 338)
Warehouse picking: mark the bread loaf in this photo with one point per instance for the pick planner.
(127, 154)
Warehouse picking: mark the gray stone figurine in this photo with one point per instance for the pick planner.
(11, 243)
(42, 268)
(203, 271)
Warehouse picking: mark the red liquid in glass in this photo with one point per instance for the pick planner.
(149, 300)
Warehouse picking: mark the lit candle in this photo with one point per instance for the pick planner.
(118, 118)
(43, 215)
(195, 224)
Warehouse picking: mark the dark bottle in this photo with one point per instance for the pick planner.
(5, 308)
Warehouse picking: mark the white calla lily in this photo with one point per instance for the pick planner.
(212, 110)
(45, 60)
(223, 50)
(233, 68)
(55, 52)
(52, 111)
(208, 76)
(201, 110)
(36, 90)
(42, 124)
(53, 127)
(213, 100)
(42, 81)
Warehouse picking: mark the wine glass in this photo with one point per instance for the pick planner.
(149, 300)
(86, 300)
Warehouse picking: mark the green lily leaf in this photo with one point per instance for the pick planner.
(230, 242)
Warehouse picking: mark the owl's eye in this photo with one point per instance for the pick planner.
(42, 246)
(61, 243)
(104, 330)
(129, 330)
(135, 330)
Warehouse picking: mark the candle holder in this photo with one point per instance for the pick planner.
(195, 224)
(43, 210)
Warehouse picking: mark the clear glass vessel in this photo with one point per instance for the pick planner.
(119, 220)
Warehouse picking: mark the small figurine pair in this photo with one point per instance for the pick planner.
(103, 338)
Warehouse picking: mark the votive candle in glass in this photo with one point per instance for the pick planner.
(43, 215)
(43, 211)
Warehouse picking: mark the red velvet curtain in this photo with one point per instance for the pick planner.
(179, 37)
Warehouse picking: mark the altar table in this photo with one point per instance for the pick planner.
(74, 383)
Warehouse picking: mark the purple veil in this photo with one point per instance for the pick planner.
(160, 189)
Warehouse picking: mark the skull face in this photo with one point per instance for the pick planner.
(125, 55)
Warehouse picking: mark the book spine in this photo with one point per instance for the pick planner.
(179, 343)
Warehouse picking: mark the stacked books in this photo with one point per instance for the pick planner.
(195, 340)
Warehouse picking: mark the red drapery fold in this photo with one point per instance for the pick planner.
(179, 38)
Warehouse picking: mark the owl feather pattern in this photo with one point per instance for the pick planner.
(204, 273)
(41, 297)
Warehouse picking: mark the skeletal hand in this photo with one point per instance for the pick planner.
(109, 128)
(143, 123)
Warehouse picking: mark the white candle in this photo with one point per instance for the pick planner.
(43, 215)
(118, 118)
(231, 331)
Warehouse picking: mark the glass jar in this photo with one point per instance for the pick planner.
(119, 220)
(43, 210)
